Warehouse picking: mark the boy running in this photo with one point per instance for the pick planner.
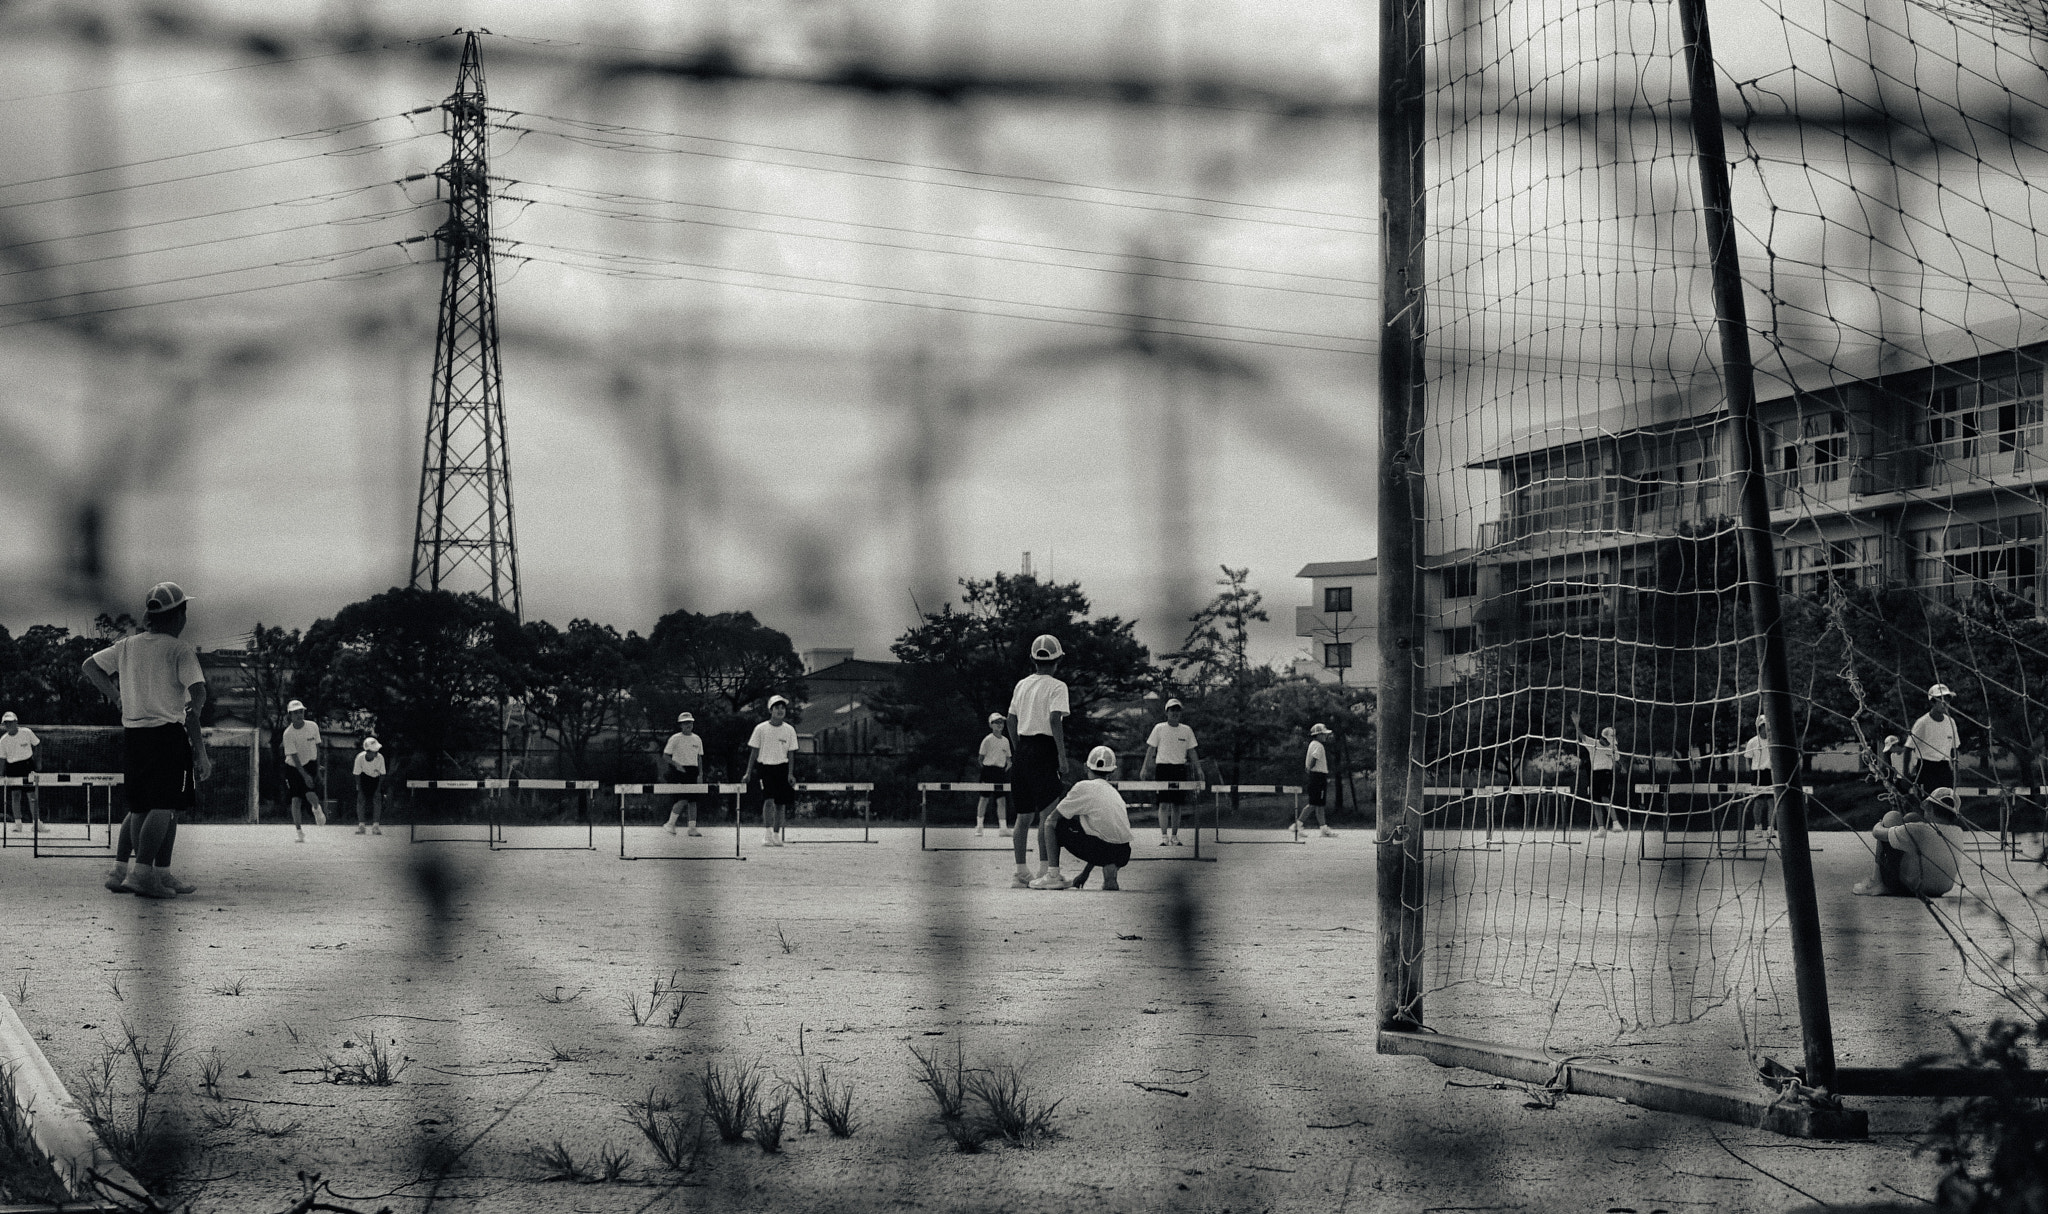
(685, 755)
(771, 751)
(156, 679)
(1038, 772)
(369, 774)
(995, 769)
(18, 762)
(301, 747)
(1171, 753)
(1316, 763)
(1092, 822)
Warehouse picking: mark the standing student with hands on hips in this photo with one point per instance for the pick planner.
(18, 747)
(1172, 753)
(1038, 771)
(369, 773)
(771, 756)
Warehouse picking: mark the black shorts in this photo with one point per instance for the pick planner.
(18, 768)
(771, 782)
(1936, 773)
(296, 784)
(1600, 785)
(1171, 771)
(995, 775)
(156, 768)
(1077, 842)
(1761, 777)
(366, 786)
(685, 775)
(1035, 774)
(1318, 787)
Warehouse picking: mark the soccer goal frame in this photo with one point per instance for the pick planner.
(735, 791)
(494, 837)
(44, 841)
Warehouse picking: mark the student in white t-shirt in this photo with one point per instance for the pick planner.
(771, 757)
(1757, 754)
(995, 769)
(300, 745)
(1092, 822)
(1605, 752)
(685, 755)
(369, 774)
(1934, 741)
(18, 760)
(1919, 855)
(1171, 754)
(1038, 768)
(1316, 766)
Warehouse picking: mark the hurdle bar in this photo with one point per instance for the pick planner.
(494, 834)
(42, 847)
(735, 791)
(866, 804)
(1740, 795)
(1216, 810)
(1561, 794)
(2008, 836)
(924, 811)
(1195, 786)
(1485, 794)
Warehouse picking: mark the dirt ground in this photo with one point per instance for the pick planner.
(1207, 1032)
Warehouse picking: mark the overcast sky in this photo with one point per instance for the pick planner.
(768, 346)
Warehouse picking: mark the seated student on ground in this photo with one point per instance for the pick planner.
(1918, 855)
(1092, 822)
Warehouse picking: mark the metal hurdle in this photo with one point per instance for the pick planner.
(1168, 786)
(924, 812)
(735, 791)
(1740, 796)
(866, 792)
(1488, 797)
(494, 832)
(2008, 835)
(1216, 810)
(46, 844)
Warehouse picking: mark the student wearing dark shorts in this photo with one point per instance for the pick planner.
(369, 773)
(995, 769)
(1934, 741)
(156, 679)
(1316, 766)
(1171, 755)
(1038, 721)
(771, 760)
(1092, 823)
(685, 756)
(18, 762)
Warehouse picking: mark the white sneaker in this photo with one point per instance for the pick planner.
(1328, 833)
(1051, 880)
(362, 830)
(977, 832)
(146, 882)
(182, 887)
(299, 833)
(1177, 842)
(376, 830)
(319, 816)
(1004, 832)
(1162, 840)
(117, 879)
(1297, 832)
(768, 839)
(670, 827)
(1020, 881)
(694, 831)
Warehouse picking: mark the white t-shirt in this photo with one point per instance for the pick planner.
(1318, 757)
(1935, 741)
(1603, 752)
(368, 764)
(775, 742)
(1940, 848)
(19, 745)
(995, 751)
(1036, 698)
(1100, 810)
(301, 742)
(685, 749)
(1174, 741)
(154, 670)
(1758, 751)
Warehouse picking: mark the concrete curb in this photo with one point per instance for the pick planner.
(55, 1120)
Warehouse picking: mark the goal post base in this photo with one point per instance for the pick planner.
(1644, 1089)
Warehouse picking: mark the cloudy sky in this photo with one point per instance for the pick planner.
(772, 345)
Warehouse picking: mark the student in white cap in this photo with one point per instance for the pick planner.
(300, 746)
(1316, 763)
(155, 677)
(1038, 773)
(369, 773)
(1919, 855)
(1092, 822)
(18, 761)
(1757, 753)
(1170, 754)
(771, 757)
(995, 769)
(685, 755)
(1934, 742)
(1894, 753)
(1605, 754)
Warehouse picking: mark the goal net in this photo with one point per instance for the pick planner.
(1591, 631)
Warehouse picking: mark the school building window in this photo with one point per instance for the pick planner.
(1337, 656)
(1336, 598)
(1460, 641)
(1461, 581)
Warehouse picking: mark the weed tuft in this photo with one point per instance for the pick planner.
(224, 1117)
(26, 1173)
(21, 989)
(229, 988)
(788, 946)
(276, 1129)
(768, 1127)
(677, 1141)
(948, 1090)
(556, 995)
(835, 1109)
(556, 1163)
(374, 1070)
(613, 1163)
(1008, 1107)
(970, 1136)
(729, 1099)
(209, 1074)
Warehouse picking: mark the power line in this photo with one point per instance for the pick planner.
(372, 272)
(240, 67)
(267, 164)
(254, 206)
(193, 244)
(226, 147)
(289, 262)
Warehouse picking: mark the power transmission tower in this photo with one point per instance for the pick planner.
(463, 538)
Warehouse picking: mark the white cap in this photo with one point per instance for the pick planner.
(8, 716)
(372, 745)
(295, 706)
(684, 716)
(1174, 704)
(1319, 727)
(1102, 758)
(1947, 797)
(996, 717)
(165, 596)
(1607, 732)
(774, 700)
(1939, 689)
(1047, 648)
(1891, 739)
(1761, 719)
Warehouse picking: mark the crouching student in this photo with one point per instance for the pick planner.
(1918, 855)
(1091, 822)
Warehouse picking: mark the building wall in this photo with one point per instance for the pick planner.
(1357, 627)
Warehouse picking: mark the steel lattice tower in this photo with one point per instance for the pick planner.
(463, 539)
